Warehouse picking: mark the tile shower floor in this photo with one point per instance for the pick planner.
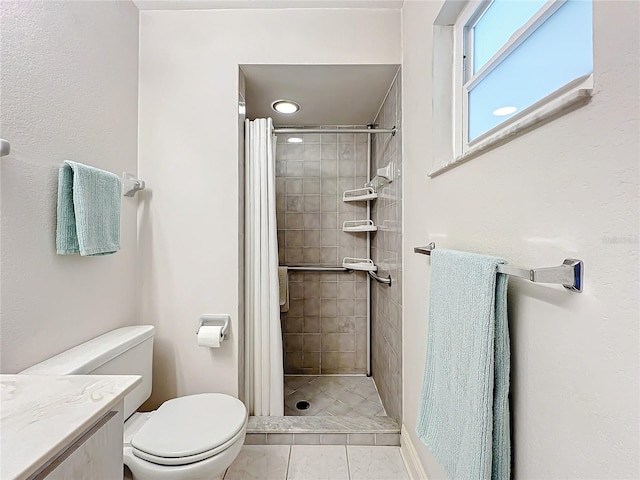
(331, 395)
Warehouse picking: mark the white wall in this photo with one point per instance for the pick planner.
(566, 189)
(188, 221)
(69, 88)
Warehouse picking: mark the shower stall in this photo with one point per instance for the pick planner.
(338, 211)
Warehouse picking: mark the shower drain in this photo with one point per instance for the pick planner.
(302, 405)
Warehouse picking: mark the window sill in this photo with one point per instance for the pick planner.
(539, 116)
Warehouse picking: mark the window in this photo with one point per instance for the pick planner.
(515, 63)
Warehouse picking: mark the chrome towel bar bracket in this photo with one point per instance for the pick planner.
(570, 274)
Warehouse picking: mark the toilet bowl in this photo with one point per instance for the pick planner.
(194, 437)
(187, 438)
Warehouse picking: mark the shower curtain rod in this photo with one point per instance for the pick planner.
(392, 131)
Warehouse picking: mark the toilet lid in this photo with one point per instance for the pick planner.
(191, 425)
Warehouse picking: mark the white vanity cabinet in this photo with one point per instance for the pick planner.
(66, 427)
(96, 455)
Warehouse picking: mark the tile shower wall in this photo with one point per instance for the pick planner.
(386, 252)
(325, 327)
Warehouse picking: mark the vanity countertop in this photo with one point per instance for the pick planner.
(42, 415)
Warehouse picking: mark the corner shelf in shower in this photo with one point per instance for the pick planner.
(364, 264)
(359, 195)
(359, 226)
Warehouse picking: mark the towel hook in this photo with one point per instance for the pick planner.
(131, 184)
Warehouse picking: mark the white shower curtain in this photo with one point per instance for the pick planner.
(264, 365)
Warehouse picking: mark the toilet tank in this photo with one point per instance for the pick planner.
(125, 351)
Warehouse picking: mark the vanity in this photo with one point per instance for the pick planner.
(62, 427)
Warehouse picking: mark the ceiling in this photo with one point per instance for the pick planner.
(258, 4)
(327, 94)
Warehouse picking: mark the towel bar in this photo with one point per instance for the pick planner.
(570, 274)
(379, 279)
(312, 268)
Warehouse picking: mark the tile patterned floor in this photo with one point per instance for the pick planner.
(306, 462)
(332, 395)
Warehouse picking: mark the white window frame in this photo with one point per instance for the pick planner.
(463, 80)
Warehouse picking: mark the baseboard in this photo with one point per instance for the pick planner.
(410, 456)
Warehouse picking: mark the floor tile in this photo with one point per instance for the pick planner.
(267, 462)
(376, 463)
(333, 395)
(318, 463)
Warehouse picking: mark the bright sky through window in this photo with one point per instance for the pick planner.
(557, 52)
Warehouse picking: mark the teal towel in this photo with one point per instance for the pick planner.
(88, 210)
(464, 409)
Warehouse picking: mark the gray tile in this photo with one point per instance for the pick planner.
(293, 324)
(329, 256)
(311, 343)
(328, 152)
(329, 186)
(255, 439)
(362, 439)
(338, 408)
(376, 463)
(311, 324)
(279, 439)
(311, 462)
(333, 439)
(292, 361)
(293, 342)
(347, 291)
(311, 138)
(312, 237)
(311, 169)
(329, 203)
(294, 186)
(328, 307)
(293, 221)
(311, 186)
(311, 152)
(311, 360)
(329, 238)
(346, 307)
(311, 289)
(295, 169)
(392, 439)
(338, 342)
(337, 362)
(260, 462)
(311, 220)
(311, 308)
(306, 439)
(329, 220)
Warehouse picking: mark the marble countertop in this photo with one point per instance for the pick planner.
(41, 415)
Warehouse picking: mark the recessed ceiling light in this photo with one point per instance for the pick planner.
(504, 111)
(285, 106)
(294, 140)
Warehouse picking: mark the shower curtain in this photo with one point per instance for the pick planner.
(264, 364)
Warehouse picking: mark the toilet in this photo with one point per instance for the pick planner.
(194, 437)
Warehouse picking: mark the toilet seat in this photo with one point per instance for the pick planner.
(190, 429)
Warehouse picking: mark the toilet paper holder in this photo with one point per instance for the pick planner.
(215, 320)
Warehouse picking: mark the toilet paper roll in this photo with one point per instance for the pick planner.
(209, 336)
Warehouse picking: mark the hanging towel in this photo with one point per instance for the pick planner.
(283, 281)
(464, 413)
(88, 210)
